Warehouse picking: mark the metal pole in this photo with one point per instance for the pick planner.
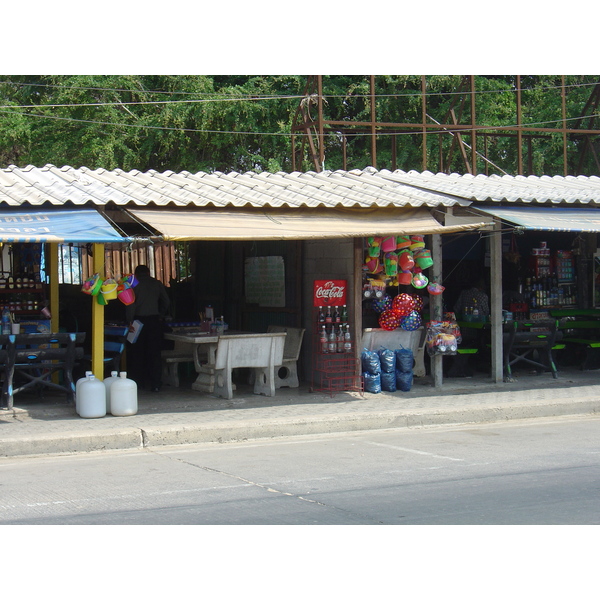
(519, 131)
(473, 131)
(435, 307)
(496, 301)
(373, 119)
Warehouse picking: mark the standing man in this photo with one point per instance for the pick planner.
(150, 308)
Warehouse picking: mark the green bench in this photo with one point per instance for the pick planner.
(584, 340)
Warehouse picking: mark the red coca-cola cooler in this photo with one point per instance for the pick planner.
(335, 364)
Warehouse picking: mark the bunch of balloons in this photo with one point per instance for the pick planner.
(404, 313)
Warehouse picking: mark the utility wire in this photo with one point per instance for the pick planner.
(410, 94)
(357, 134)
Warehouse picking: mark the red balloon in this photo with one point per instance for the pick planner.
(390, 320)
(418, 302)
(403, 303)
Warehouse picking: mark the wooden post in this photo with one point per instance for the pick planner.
(98, 319)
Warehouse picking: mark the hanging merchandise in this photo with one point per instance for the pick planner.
(411, 322)
(440, 338)
(391, 264)
(405, 278)
(419, 281)
(388, 244)
(406, 260)
(109, 289)
(92, 285)
(423, 258)
(373, 265)
(129, 279)
(416, 242)
(126, 294)
(374, 246)
(435, 289)
(402, 241)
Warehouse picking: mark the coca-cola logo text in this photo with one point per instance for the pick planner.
(330, 292)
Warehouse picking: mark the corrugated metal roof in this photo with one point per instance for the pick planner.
(505, 188)
(358, 188)
(361, 188)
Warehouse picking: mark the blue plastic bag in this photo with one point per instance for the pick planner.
(388, 382)
(372, 383)
(405, 360)
(370, 362)
(404, 381)
(387, 358)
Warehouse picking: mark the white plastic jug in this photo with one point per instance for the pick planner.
(92, 401)
(114, 375)
(123, 397)
(77, 386)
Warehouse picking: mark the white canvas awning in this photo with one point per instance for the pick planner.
(302, 224)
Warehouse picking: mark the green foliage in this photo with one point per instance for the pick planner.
(243, 123)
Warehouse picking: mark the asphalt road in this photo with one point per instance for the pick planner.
(531, 472)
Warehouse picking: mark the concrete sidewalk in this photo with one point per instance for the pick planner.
(183, 416)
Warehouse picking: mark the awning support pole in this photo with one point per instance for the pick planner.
(98, 318)
(496, 301)
(435, 307)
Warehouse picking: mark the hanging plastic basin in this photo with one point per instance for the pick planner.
(405, 278)
(93, 285)
(109, 289)
(130, 280)
(435, 289)
(424, 259)
(126, 295)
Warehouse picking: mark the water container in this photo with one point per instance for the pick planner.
(92, 401)
(123, 397)
(114, 375)
(77, 386)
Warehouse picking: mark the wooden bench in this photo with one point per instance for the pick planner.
(32, 359)
(259, 351)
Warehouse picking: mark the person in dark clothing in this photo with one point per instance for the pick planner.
(150, 308)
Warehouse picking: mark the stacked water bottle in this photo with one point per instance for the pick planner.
(116, 395)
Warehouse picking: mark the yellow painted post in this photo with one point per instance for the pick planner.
(98, 318)
(53, 274)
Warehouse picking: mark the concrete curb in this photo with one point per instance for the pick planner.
(71, 442)
(223, 432)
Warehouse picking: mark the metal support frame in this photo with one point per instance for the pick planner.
(313, 129)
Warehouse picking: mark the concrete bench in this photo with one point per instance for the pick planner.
(259, 351)
(181, 353)
(286, 373)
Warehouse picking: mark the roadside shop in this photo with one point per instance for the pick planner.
(259, 243)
